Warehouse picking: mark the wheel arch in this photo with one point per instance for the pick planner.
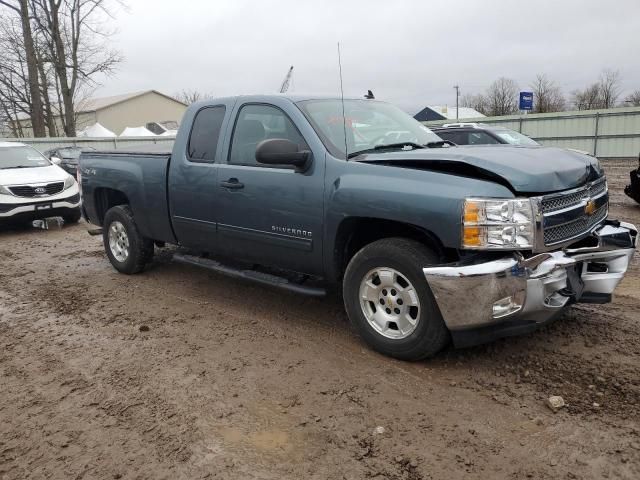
(106, 198)
(354, 233)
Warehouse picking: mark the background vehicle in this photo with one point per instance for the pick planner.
(31, 187)
(478, 134)
(169, 127)
(633, 189)
(425, 241)
(67, 158)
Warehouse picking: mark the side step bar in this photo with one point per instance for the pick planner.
(254, 276)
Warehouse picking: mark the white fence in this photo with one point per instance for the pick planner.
(612, 133)
(106, 143)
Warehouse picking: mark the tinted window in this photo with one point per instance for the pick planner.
(203, 141)
(256, 123)
(459, 138)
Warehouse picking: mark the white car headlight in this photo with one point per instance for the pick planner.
(69, 181)
(497, 224)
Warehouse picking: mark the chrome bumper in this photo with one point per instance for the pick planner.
(533, 289)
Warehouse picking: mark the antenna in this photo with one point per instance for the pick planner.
(344, 118)
(287, 80)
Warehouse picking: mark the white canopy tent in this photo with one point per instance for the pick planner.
(96, 130)
(137, 132)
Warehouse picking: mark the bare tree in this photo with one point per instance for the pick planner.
(502, 97)
(633, 99)
(478, 102)
(547, 96)
(73, 32)
(15, 99)
(588, 98)
(609, 88)
(602, 94)
(21, 8)
(191, 96)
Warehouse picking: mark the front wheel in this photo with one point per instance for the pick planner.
(127, 249)
(389, 301)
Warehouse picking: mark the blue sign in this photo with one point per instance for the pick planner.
(526, 100)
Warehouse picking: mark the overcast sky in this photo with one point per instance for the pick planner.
(408, 52)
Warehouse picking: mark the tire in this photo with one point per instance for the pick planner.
(427, 335)
(131, 250)
(73, 216)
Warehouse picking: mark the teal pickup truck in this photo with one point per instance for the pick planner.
(427, 242)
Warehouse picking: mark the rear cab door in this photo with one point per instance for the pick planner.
(271, 215)
(193, 174)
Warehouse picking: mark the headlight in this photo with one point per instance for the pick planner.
(68, 183)
(5, 190)
(497, 224)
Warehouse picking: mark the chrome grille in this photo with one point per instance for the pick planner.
(574, 228)
(564, 200)
(37, 190)
(565, 214)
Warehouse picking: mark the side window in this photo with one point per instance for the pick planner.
(455, 137)
(256, 123)
(203, 141)
(481, 138)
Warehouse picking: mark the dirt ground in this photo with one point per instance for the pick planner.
(181, 373)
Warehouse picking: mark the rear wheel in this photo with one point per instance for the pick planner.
(127, 249)
(389, 301)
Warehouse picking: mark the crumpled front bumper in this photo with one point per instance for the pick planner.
(514, 291)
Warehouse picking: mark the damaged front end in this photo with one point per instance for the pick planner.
(513, 294)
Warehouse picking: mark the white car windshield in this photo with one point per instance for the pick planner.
(21, 157)
(368, 124)
(515, 138)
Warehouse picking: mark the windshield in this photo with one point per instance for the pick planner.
(515, 138)
(70, 153)
(170, 125)
(368, 124)
(21, 157)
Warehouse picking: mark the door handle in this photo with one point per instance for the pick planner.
(232, 183)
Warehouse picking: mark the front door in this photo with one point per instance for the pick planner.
(270, 215)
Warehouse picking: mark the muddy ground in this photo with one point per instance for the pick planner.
(182, 373)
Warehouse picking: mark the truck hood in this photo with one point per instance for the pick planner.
(524, 169)
(27, 176)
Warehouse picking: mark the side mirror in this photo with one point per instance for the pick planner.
(279, 151)
(56, 160)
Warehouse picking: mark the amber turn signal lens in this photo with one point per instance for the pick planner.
(471, 236)
(471, 212)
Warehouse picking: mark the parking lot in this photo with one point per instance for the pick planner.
(182, 373)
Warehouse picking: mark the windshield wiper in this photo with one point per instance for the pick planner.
(439, 143)
(387, 146)
(398, 145)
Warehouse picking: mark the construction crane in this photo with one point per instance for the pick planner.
(287, 80)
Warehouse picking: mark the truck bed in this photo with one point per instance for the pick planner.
(141, 176)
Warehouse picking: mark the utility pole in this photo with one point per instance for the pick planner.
(457, 87)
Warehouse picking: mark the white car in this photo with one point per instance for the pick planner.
(32, 187)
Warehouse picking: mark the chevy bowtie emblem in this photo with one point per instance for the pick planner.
(590, 207)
